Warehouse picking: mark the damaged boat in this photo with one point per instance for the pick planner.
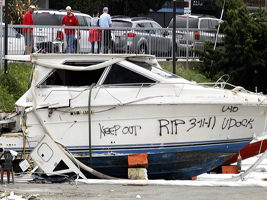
(102, 108)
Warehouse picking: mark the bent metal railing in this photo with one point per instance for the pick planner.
(158, 42)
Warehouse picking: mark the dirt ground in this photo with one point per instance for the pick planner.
(106, 191)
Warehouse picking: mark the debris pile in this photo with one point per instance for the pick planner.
(11, 195)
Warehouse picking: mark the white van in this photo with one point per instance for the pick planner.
(50, 37)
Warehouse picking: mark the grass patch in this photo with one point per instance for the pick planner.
(190, 74)
(14, 84)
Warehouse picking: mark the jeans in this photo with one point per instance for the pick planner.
(93, 47)
(70, 39)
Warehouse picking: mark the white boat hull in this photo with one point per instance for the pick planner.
(186, 129)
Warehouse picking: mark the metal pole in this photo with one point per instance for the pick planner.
(219, 27)
(187, 42)
(174, 38)
(1, 41)
(6, 32)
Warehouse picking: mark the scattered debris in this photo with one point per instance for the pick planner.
(53, 180)
(135, 184)
(11, 196)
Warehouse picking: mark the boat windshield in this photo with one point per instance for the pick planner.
(156, 70)
(119, 75)
(62, 77)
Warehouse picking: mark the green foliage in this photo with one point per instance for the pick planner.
(213, 63)
(17, 9)
(230, 5)
(245, 55)
(190, 74)
(6, 100)
(143, 6)
(116, 7)
(13, 85)
(84, 6)
(21, 72)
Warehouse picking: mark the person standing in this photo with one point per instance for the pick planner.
(28, 32)
(105, 21)
(94, 34)
(70, 20)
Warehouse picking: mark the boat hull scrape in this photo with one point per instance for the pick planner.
(167, 163)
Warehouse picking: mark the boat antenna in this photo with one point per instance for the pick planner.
(219, 26)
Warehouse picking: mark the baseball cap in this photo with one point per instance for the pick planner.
(68, 7)
(105, 9)
(32, 6)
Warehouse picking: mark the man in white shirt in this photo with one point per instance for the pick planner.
(105, 21)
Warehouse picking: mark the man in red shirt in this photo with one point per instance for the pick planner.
(70, 20)
(28, 32)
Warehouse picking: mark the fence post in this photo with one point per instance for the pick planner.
(102, 40)
(53, 40)
(6, 33)
(174, 38)
(28, 39)
(149, 46)
(1, 41)
(194, 40)
(78, 40)
(187, 42)
(127, 41)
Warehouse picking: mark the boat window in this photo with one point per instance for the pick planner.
(156, 70)
(123, 76)
(62, 77)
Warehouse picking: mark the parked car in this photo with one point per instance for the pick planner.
(16, 42)
(141, 35)
(53, 39)
(204, 29)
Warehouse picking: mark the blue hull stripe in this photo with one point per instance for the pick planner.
(227, 148)
(162, 145)
(186, 146)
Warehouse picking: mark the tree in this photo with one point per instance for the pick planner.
(229, 5)
(116, 7)
(17, 9)
(245, 55)
(84, 6)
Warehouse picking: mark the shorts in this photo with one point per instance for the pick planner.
(28, 39)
